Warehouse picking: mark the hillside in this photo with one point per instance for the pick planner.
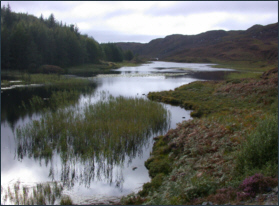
(258, 43)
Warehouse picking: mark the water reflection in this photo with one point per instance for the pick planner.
(93, 140)
(88, 177)
(19, 102)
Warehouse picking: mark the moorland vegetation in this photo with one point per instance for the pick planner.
(228, 152)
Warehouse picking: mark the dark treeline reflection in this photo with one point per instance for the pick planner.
(94, 139)
(18, 102)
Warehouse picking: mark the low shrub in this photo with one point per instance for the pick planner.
(132, 199)
(145, 189)
(155, 183)
(170, 100)
(66, 200)
(157, 180)
(189, 105)
(260, 150)
(160, 165)
(202, 186)
(197, 113)
(223, 195)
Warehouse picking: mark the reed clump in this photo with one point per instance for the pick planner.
(105, 132)
(58, 80)
(90, 70)
(40, 194)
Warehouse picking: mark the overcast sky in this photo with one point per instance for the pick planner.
(142, 21)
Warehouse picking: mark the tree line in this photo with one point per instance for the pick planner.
(27, 42)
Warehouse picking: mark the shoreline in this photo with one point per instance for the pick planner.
(202, 153)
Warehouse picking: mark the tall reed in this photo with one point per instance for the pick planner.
(104, 133)
(40, 194)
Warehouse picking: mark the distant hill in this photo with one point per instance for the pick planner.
(258, 43)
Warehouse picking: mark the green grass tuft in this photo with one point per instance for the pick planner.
(260, 150)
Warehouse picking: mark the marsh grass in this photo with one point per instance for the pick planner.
(102, 68)
(141, 75)
(105, 133)
(57, 92)
(66, 200)
(243, 75)
(93, 69)
(58, 80)
(209, 97)
(57, 99)
(247, 66)
(40, 194)
(7, 83)
(55, 79)
(128, 64)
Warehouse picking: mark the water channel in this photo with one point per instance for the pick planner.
(130, 82)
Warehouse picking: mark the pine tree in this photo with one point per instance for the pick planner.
(51, 21)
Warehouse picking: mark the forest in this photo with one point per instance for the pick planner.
(28, 42)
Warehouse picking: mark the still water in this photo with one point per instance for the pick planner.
(84, 188)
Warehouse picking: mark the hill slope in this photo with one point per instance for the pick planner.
(258, 43)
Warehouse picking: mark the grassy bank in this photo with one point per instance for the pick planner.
(95, 69)
(222, 97)
(222, 156)
(92, 69)
(87, 70)
(46, 79)
(245, 66)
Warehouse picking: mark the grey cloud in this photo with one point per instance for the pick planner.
(187, 7)
(117, 13)
(34, 6)
(107, 36)
(232, 24)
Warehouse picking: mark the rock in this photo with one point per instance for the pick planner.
(207, 203)
(275, 190)
(134, 168)
(268, 189)
(199, 174)
(268, 203)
